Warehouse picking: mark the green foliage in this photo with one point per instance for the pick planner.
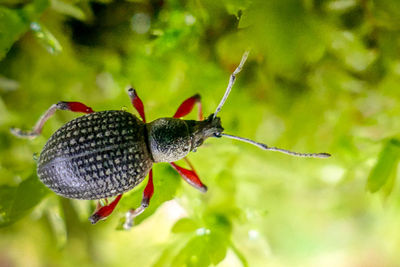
(322, 76)
(15, 22)
(185, 225)
(46, 38)
(207, 244)
(16, 202)
(385, 170)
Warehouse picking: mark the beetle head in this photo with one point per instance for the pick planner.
(201, 130)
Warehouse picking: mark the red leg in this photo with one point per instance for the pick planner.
(147, 194)
(190, 176)
(187, 106)
(148, 191)
(102, 213)
(71, 106)
(137, 103)
(74, 106)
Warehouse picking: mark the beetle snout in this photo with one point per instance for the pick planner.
(217, 127)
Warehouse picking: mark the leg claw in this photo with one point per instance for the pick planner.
(129, 216)
(23, 134)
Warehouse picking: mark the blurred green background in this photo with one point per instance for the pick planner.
(322, 76)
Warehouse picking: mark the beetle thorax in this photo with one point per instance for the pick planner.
(172, 139)
(169, 139)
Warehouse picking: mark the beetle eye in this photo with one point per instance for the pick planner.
(217, 135)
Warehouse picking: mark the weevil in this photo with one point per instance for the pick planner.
(107, 153)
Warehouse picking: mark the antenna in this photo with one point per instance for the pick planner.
(231, 82)
(265, 147)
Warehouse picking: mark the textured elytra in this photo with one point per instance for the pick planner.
(95, 156)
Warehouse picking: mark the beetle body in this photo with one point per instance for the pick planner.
(104, 154)
(95, 156)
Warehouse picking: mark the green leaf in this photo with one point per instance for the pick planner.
(194, 253)
(210, 244)
(46, 38)
(385, 167)
(68, 9)
(202, 250)
(234, 7)
(16, 202)
(389, 185)
(12, 26)
(185, 225)
(15, 22)
(57, 222)
(240, 255)
(168, 254)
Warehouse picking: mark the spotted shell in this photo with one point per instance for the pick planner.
(96, 156)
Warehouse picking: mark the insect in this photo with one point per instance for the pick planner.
(107, 153)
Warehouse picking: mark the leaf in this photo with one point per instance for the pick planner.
(202, 250)
(12, 26)
(168, 254)
(194, 253)
(16, 202)
(15, 22)
(46, 38)
(57, 221)
(234, 7)
(385, 167)
(389, 185)
(240, 255)
(185, 225)
(220, 231)
(210, 244)
(68, 9)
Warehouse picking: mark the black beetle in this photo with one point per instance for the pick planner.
(104, 154)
